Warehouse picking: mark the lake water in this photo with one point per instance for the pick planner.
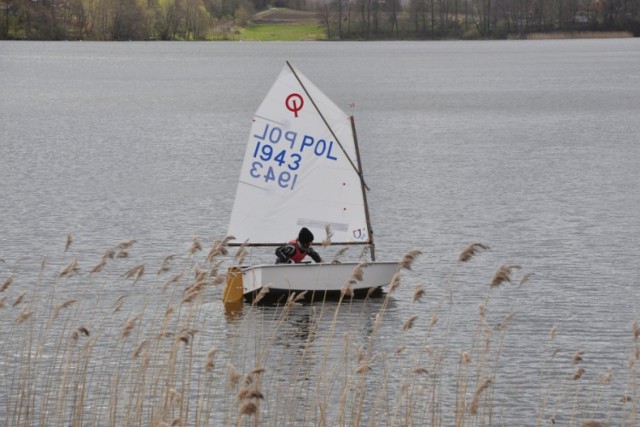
(531, 147)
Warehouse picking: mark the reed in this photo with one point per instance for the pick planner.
(112, 346)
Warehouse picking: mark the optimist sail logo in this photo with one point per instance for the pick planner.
(294, 103)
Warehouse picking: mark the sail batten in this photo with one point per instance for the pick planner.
(301, 168)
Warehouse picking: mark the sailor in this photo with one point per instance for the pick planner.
(296, 250)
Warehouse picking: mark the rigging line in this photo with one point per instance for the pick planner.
(364, 184)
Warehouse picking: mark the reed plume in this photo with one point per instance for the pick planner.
(125, 244)
(577, 357)
(553, 332)
(19, 299)
(119, 303)
(195, 246)
(470, 251)
(503, 274)
(248, 408)
(69, 241)
(141, 346)
(336, 257)
(7, 282)
(242, 253)
(395, 282)
(137, 272)
(59, 307)
(234, 376)
(329, 235)
(635, 327)
(578, 373)
(263, 293)
(98, 268)
(219, 247)
(70, 269)
(164, 267)
(408, 324)
(475, 402)
(23, 316)
(211, 356)
(407, 260)
(128, 327)
(2, 301)
(418, 293)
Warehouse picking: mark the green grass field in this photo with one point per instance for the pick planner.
(282, 32)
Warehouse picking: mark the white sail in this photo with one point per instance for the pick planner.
(299, 169)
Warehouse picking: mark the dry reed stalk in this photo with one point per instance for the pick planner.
(395, 282)
(525, 279)
(78, 332)
(125, 244)
(407, 260)
(339, 254)
(119, 303)
(578, 373)
(23, 316)
(470, 251)
(7, 282)
(137, 272)
(129, 325)
(59, 307)
(242, 253)
(263, 292)
(434, 320)
(234, 375)
(211, 356)
(503, 274)
(399, 350)
(195, 246)
(69, 241)
(248, 408)
(70, 269)
(635, 327)
(2, 301)
(577, 357)
(249, 393)
(418, 293)
(141, 346)
(408, 324)
(169, 282)
(109, 254)
(329, 234)
(122, 255)
(164, 267)
(553, 332)
(19, 299)
(592, 423)
(219, 247)
(420, 371)
(505, 322)
(98, 268)
(606, 378)
(475, 401)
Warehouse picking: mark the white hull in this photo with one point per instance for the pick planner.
(323, 277)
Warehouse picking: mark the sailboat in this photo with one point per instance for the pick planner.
(302, 168)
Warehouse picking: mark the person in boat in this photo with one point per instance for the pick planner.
(296, 250)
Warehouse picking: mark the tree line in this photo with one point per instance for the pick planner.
(471, 19)
(341, 19)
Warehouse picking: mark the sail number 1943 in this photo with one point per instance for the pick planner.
(266, 153)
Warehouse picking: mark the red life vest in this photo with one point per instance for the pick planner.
(300, 254)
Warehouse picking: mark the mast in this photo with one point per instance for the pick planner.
(364, 190)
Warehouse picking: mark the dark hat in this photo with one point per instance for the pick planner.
(305, 235)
